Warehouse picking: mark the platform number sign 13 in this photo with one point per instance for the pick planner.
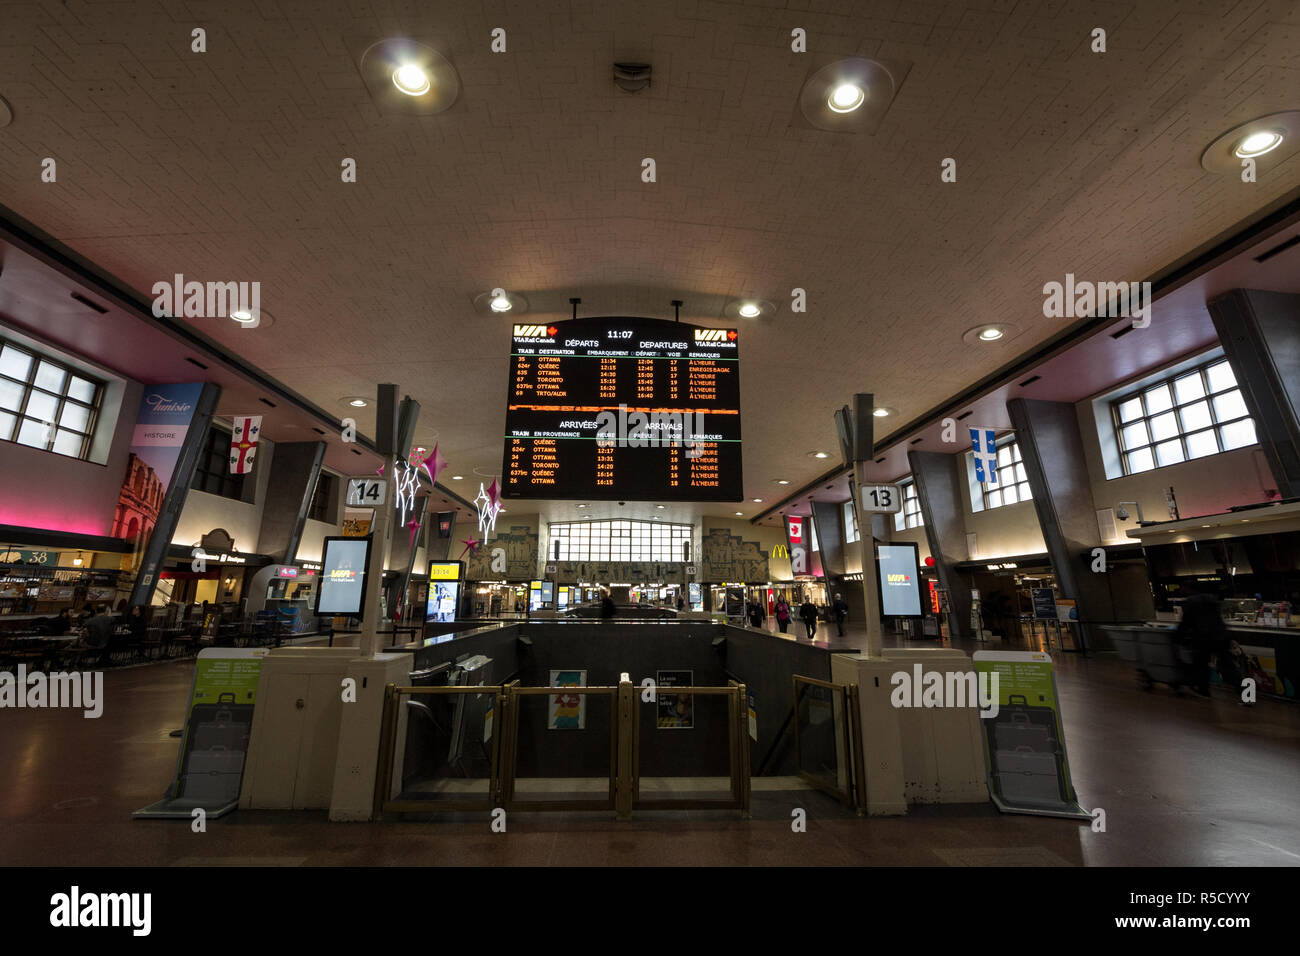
(881, 499)
(366, 492)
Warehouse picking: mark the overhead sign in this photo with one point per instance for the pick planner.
(614, 408)
(881, 499)
(366, 492)
(794, 529)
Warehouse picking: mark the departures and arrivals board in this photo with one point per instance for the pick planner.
(623, 409)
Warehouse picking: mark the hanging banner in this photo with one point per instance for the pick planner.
(1024, 744)
(243, 443)
(984, 443)
(210, 766)
(160, 429)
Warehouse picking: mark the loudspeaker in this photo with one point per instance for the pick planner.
(386, 420)
(407, 416)
(864, 407)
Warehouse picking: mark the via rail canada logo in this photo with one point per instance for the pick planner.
(535, 331)
(715, 335)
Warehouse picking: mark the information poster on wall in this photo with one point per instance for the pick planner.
(567, 711)
(1044, 603)
(1024, 745)
(214, 743)
(675, 711)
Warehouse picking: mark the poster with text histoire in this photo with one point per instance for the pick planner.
(675, 711)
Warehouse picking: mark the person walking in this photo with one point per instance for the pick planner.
(841, 613)
(756, 615)
(607, 608)
(1201, 633)
(808, 614)
(782, 615)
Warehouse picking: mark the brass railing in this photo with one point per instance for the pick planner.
(850, 785)
(624, 752)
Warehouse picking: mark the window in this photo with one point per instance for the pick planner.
(618, 541)
(45, 404)
(1189, 415)
(910, 516)
(850, 523)
(1013, 483)
(323, 499)
(212, 474)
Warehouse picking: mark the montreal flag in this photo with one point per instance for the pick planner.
(243, 444)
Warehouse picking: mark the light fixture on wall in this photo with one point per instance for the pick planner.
(77, 561)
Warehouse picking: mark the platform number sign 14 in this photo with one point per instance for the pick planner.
(366, 492)
(881, 499)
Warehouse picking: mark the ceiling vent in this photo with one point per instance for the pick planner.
(632, 77)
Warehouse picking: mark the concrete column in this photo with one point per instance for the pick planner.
(295, 469)
(1052, 449)
(1260, 332)
(938, 491)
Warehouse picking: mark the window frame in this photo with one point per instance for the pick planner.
(1215, 427)
(618, 539)
(1017, 460)
(903, 519)
(62, 399)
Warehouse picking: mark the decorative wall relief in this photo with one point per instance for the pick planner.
(728, 557)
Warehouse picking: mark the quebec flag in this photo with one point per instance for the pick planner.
(984, 442)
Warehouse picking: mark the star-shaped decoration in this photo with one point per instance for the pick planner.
(471, 546)
(438, 464)
(380, 472)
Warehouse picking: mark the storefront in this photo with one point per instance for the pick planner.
(39, 581)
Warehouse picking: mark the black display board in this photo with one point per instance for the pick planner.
(623, 408)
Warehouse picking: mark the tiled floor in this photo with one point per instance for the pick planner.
(1183, 782)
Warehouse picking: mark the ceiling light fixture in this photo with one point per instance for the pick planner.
(1265, 140)
(849, 94)
(782, 481)
(882, 412)
(818, 454)
(499, 301)
(243, 317)
(660, 507)
(411, 79)
(988, 333)
(991, 334)
(356, 401)
(758, 501)
(403, 76)
(846, 97)
(740, 514)
(1257, 144)
(748, 309)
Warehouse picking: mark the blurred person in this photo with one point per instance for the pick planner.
(841, 613)
(808, 614)
(782, 615)
(756, 615)
(1201, 633)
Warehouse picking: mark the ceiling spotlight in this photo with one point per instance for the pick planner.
(356, 401)
(846, 97)
(782, 481)
(991, 334)
(499, 301)
(582, 506)
(411, 80)
(881, 412)
(243, 317)
(660, 507)
(1257, 144)
(748, 309)
(1276, 135)
(740, 514)
(818, 454)
(758, 501)
(457, 477)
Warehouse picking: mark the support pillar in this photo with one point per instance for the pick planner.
(938, 490)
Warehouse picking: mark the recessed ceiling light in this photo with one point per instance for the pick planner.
(582, 506)
(243, 316)
(1257, 144)
(818, 454)
(881, 412)
(846, 97)
(356, 401)
(749, 310)
(991, 334)
(782, 481)
(1276, 135)
(758, 501)
(740, 514)
(457, 477)
(501, 303)
(411, 80)
(660, 507)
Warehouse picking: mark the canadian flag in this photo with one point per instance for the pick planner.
(243, 444)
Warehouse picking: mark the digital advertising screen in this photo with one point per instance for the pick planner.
(342, 588)
(442, 601)
(900, 581)
(613, 408)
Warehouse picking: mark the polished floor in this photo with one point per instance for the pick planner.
(1183, 781)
